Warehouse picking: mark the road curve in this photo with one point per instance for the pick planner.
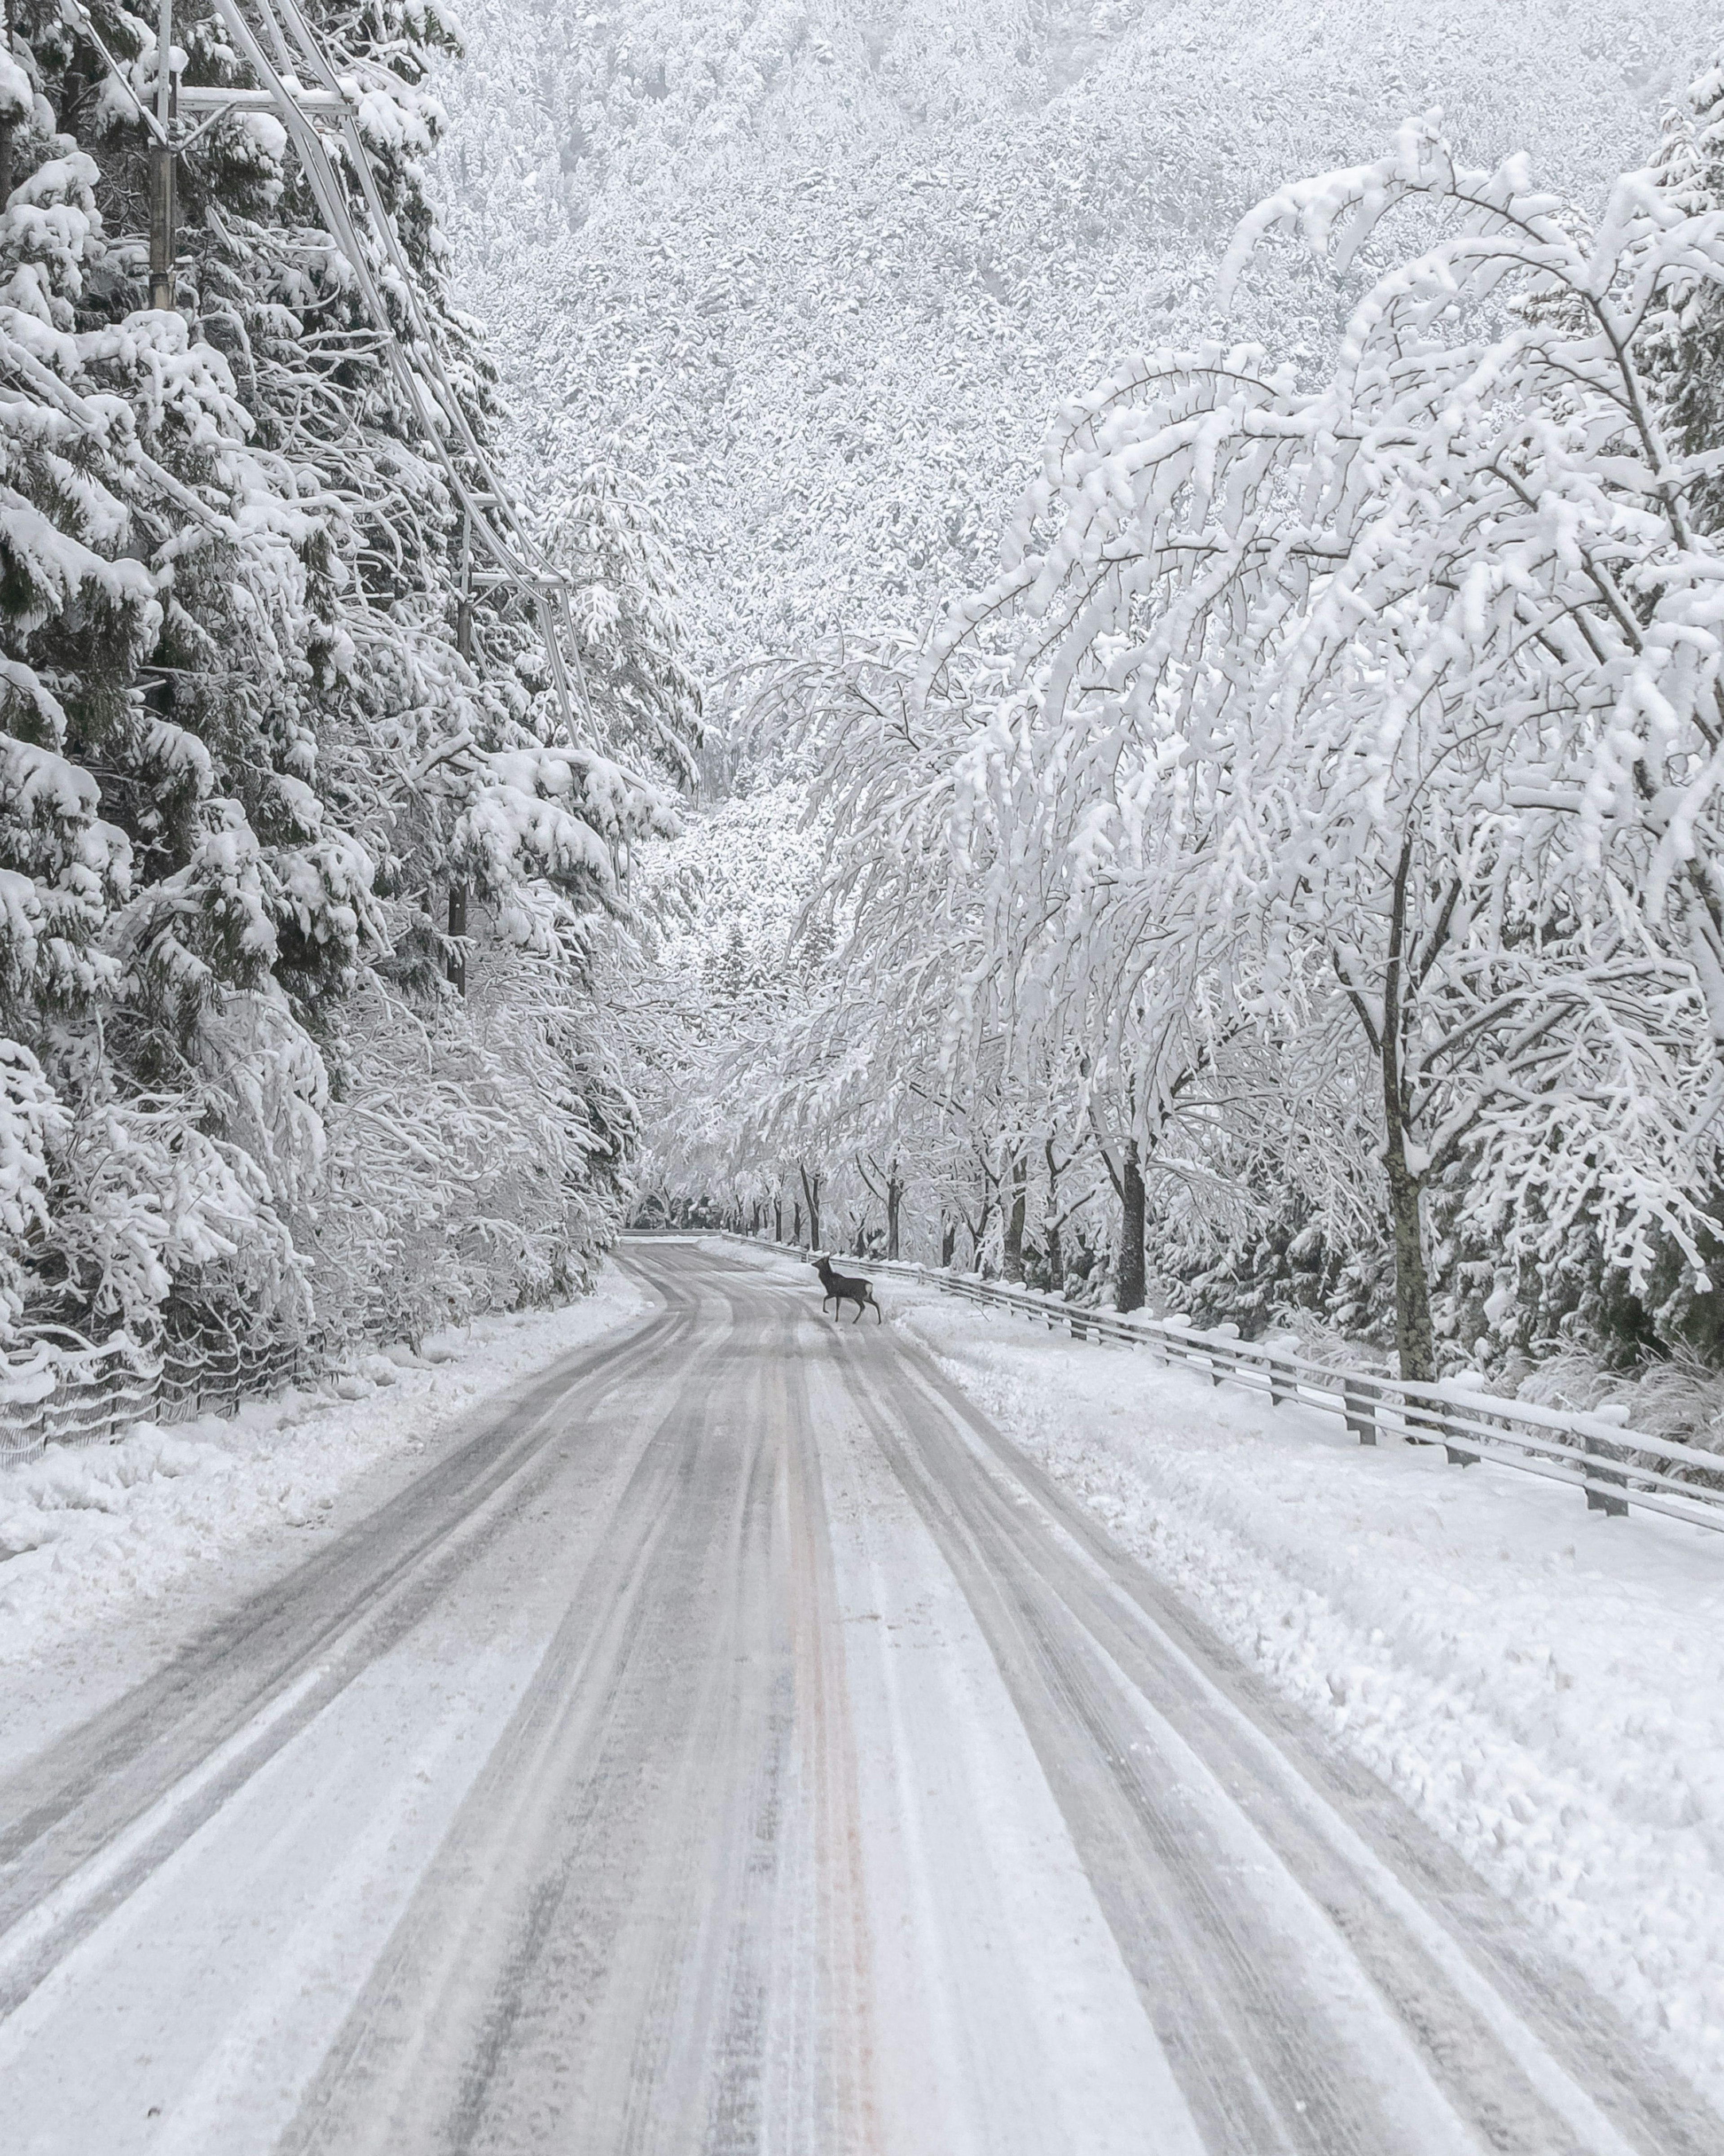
(739, 1747)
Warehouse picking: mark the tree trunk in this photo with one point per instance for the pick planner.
(796, 1224)
(1129, 1295)
(979, 1229)
(978, 1233)
(456, 963)
(777, 1218)
(1415, 1338)
(1056, 1255)
(894, 1200)
(948, 1239)
(811, 1191)
(1012, 1254)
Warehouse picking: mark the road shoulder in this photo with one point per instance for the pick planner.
(113, 1558)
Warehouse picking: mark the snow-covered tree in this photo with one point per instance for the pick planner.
(1397, 694)
(254, 741)
(611, 543)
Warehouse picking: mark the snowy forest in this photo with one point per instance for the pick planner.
(305, 861)
(1133, 699)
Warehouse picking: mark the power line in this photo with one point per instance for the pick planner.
(295, 80)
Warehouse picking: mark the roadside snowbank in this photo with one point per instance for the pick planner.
(1543, 1685)
(88, 1535)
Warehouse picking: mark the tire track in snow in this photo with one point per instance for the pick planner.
(91, 1817)
(1526, 2058)
(616, 1939)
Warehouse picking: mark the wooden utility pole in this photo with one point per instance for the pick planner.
(464, 596)
(164, 236)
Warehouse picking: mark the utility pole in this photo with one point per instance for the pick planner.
(164, 238)
(463, 598)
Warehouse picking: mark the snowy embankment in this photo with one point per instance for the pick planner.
(1543, 1685)
(107, 1551)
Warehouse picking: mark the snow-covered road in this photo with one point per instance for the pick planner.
(742, 1746)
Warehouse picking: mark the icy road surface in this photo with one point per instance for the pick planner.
(742, 1746)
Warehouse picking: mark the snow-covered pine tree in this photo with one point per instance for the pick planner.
(610, 541)
(1682, 347)
(246, 758)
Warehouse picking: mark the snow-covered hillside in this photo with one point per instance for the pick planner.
(831, 268)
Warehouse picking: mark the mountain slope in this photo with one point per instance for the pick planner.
(830, 267)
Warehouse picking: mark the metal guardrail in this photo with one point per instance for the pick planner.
(1615, 1466)
(86, 1393)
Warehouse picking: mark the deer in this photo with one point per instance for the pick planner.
(841, 1288)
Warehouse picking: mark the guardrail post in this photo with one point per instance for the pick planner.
(1596, 1500)
(1457, 1457)
(1283, 1385)
(1431, 1419)
(1361, 1417)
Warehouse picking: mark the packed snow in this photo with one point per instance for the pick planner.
(1543, 1685)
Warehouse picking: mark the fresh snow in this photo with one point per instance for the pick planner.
(111, 1554)
(1543, 1685)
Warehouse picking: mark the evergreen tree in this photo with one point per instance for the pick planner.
(1683, 344)
(259, 735)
